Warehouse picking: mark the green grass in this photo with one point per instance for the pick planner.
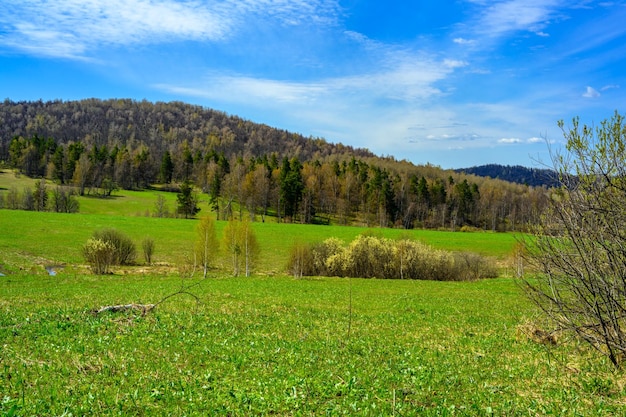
(126, 203)
(278, 346)
(29, 240)
(36, 239)
(269, 344)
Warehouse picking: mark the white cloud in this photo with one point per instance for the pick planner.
(70, 28)
(401, 78)
(248, 89)
(609, 87)
(591, 93)
(536, 140)
(463, 41)
(509, 140)
(518, 15)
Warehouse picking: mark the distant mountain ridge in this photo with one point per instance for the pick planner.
(517, 174)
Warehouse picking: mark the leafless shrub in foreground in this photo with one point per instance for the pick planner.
(579, 251)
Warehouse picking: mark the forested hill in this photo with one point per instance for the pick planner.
(97, 146)
(516, 174)
(158, 126)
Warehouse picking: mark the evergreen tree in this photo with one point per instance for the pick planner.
(291, 186)
(167, 168)
(187, 201)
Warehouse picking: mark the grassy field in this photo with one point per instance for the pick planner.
(279, 346)
(270, 344)
(32, 240)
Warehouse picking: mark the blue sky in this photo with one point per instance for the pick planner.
(451, 83)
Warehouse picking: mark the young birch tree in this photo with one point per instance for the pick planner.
(206, 246)
(241, 244)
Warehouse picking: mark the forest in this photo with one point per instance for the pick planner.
(536, 177)
(98, 146)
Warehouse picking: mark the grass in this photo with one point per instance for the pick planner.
(279, 346)
(35, 239)
(126, 203)
(8, 180)
(269, 344)
(32, 240)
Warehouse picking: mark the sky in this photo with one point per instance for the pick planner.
(449, 83)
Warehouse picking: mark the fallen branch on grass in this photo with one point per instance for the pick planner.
(144, 308)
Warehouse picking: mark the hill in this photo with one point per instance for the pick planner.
(98, 146)
(516, 174)
(158, 125)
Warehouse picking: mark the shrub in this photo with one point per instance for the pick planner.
(12, 200)
(322, 252)
(472, 266)
(28, 200)
(469, 229)
(337, 264)
(64, 200)
(99, 255)
(420, 261)
(125, 252)
(369, 256)
(161, 209)
(300, 261)
(241, 244)
(148, 249)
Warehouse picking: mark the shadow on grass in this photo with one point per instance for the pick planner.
(103, 197)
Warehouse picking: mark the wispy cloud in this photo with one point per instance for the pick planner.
(609, 87)
(518, 15)
(291, 12)
(250, 90)
(400, 77)
(70, 28)
(600, 31)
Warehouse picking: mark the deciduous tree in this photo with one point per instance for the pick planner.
(206, 245)
(241, 244)
(578, 250)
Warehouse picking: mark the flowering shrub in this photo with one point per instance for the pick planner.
(375, 257)
(99, 255)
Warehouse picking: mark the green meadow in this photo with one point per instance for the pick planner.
(271, 344)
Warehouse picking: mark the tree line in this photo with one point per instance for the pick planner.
(245, 168)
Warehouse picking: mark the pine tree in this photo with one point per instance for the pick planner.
(187, 201)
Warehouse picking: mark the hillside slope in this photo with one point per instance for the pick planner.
(157, 125)
(517, 174)
(98, 146)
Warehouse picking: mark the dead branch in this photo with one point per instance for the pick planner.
(144, 308)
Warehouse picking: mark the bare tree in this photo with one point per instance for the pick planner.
(579, 250)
